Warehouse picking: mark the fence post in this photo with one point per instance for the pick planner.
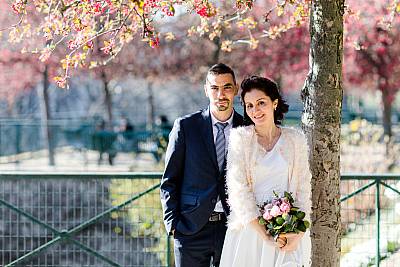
(17, 141)
(378, 219)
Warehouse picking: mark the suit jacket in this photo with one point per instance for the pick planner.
(192, 181)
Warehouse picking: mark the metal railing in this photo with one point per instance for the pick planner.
(76, 219)
(371, 235)
(115, 219)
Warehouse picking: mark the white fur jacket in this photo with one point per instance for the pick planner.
(242, 155)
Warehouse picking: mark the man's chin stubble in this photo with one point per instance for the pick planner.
(223, 108)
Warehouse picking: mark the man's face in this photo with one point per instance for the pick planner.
(220, 90)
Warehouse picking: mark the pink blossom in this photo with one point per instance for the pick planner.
(203, 12)
(72, 44)
(276, 201)
(18, 6)
(275, 211)
(285, 207)
(267, 215)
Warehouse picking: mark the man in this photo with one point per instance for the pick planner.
(193, 185)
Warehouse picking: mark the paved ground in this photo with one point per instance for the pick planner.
(68, 159)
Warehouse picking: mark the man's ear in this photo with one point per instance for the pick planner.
(205, 90)
(236, 89)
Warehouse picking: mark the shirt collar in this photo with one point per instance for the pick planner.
(215, 120)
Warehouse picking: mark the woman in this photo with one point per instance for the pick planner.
(262, 158)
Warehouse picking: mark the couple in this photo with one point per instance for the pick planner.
(217, 172)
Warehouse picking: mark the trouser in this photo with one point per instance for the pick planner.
(202, 248)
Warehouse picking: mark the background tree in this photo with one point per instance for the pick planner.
(21, 71)
(373, 52)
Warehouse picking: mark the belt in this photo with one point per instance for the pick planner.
(216, 216)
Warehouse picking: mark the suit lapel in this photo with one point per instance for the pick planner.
(208, 136)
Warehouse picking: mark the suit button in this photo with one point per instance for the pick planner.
(213, 201)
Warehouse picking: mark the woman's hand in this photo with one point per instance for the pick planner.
(292, 241)
(260, 229)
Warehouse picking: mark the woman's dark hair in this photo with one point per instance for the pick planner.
(270, 89)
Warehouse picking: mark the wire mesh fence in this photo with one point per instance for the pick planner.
(98, 219)
(370, 220)
(81, 220)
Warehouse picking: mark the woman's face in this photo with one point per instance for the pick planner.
(259, 107)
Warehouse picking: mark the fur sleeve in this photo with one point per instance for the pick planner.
(240, 195)
(304, 175)
(303, 192)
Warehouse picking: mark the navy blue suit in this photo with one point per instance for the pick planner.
(192, 181)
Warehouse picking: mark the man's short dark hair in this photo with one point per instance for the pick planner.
(221, 68)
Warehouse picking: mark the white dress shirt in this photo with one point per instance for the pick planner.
(227, 129)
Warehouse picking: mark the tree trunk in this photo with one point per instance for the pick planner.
(151, 107)
(387, 113)
(322, 96)
(47, 117)
(107, 100)
(217, 52)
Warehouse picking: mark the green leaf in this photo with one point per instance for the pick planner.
(289, 197)
(278, 227)
(300, 215)
(262, 221)
(307, 224)
(280, 220)
(301, 227)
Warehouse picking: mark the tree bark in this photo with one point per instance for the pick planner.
(151, 107)
(217, 52)
(322, 96)
(107, 99)
(387, 113)
(47, 118)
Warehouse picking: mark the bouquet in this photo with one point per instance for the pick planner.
(281, 216)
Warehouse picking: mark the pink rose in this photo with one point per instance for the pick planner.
(267, 215)
(276, 202)
(275, 211)
(285, 207)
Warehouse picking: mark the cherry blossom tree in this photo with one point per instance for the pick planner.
(373, 52)
(21, 70)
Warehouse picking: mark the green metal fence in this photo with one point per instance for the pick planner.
(100, 219)
(75, 219)
(370, 220)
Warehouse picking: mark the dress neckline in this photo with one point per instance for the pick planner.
(264, 151)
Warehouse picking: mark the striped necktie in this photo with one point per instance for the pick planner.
(220, 143)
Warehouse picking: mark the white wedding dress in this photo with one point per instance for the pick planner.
(244, 247)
